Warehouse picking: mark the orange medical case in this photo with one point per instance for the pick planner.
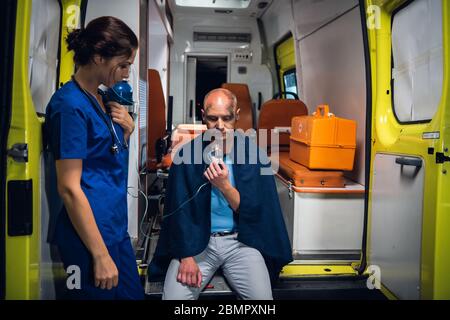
(323, 141)
(303, 177)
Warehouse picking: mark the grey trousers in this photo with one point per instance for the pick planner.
(243, 267)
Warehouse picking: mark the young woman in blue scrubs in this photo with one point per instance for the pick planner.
(89, 142)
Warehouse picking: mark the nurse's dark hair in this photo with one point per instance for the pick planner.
(106, 36)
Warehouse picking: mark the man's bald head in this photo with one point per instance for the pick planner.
(220, 109)
(218, 94)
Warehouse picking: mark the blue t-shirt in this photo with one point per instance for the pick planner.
(77, 131)
(222, 218)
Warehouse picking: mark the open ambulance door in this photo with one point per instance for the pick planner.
(7, 25)
(408, 243)
(34, 64)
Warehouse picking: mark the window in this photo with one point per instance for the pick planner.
(43, 56)
(290, 83)
(284, 52)
(417, 52)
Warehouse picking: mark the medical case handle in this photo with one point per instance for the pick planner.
(323, 111)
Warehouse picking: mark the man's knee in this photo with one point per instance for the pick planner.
(177, 295)
(174, 290)
(259, 294)
(248, 274)
(178, 291)
(254, 288)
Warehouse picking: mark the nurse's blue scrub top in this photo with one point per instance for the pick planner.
(77, 131)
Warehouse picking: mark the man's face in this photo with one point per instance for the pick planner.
(219, 113)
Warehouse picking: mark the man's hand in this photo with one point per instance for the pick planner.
(105, 272)
(119, 115)
(189, 273)
(217, 173)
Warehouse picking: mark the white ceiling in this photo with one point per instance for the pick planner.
(253, 9)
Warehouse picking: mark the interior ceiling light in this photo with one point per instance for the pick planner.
(223, 4)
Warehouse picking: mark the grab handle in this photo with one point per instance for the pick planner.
(409, 162)
(322, 111)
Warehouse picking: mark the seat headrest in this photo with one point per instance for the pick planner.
(279, 113)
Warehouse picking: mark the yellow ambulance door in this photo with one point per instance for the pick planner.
(7, 25)
(409, 62)
(35, 74)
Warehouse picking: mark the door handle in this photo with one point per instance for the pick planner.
(19, 152)
(441, 158)
(409, 162)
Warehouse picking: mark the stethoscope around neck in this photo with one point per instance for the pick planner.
(115, 142)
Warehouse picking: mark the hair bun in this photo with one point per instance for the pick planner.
(104, 36)
(75, 40)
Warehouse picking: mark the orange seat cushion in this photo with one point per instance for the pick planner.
(301, 176)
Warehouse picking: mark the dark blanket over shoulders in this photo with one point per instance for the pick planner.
(186, 232)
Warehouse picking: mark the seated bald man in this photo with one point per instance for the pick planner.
(221, 213)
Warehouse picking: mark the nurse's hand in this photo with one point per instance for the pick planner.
(105, 272)
(189, 273)
(120, 115)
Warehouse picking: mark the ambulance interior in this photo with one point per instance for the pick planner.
(282, 59)
(259, 49)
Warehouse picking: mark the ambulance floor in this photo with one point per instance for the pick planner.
(331, 288)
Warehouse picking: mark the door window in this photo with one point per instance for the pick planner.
(43, 53)
(290, 83)
(417, 74)
(285, 60)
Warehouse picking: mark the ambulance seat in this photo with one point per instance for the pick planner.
(156, 118)
(278, 113)
(244, 102)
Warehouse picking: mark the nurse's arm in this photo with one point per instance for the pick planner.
(80, 213)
